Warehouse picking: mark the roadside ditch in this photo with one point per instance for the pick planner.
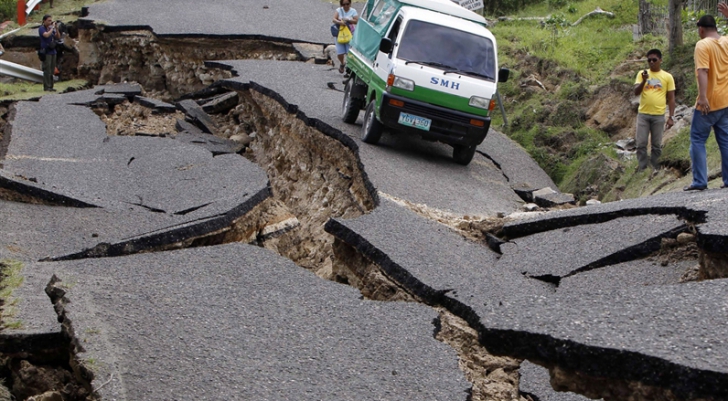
(313, 177)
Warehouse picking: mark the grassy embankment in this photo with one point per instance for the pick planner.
(577, 65)
(10, 279)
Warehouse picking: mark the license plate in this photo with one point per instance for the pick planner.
(414, 121)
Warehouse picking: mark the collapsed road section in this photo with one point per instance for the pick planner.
(144, 325)
(281, 132)
(631, 330)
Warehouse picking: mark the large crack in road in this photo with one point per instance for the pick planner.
(314, 176)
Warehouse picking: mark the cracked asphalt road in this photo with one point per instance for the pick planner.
(238, 322)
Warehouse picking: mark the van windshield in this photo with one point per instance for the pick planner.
(447, 48)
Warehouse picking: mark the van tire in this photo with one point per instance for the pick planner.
(372, 129)
(463, 154)
(351, 105)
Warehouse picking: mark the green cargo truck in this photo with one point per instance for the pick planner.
(423, 67)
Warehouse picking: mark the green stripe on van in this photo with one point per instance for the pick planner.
(440, 99)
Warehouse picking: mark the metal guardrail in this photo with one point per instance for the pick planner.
(30, 5)
(10, 33)
(20, 71)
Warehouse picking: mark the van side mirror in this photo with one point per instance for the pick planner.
(503, 74)
(385, 46)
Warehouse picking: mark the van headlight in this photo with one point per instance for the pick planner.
(479, 102)
(404, 83)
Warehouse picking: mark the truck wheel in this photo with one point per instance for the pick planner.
(351, 106)
(372, 129)
(463, 154)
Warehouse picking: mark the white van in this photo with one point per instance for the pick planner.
(423, 67)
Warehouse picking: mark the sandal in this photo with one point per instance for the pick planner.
(341, 69)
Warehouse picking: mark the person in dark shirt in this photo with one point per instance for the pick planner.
(48, 33)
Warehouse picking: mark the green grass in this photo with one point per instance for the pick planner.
(14, 325)
(592, 48)
(31, 90)
(675, 153)
(10, 272)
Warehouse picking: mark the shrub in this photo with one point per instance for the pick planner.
(675, 153)
(554, 4)
(574, 91)
(592, 175)
(8, 10)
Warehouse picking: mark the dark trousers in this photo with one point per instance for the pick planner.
(648, 124)
(49, 66)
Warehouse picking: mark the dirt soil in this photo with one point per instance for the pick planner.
(134, 119)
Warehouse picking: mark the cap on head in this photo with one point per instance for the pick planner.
(706, 21)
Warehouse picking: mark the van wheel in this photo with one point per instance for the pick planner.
(372, 129)
(351, 106)
(463, 154)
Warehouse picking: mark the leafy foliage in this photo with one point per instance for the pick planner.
(555, 4)
(8, 9)
(503, 7)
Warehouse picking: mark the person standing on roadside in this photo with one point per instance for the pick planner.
(711, 107)
(656, 89)
(344, 16)
(48, 35)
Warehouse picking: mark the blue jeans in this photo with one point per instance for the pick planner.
(699, 132)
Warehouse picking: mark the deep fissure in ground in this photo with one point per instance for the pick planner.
(313, 177)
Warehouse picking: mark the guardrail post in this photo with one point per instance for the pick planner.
(21, 12)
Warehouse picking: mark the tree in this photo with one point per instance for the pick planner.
(675, 33)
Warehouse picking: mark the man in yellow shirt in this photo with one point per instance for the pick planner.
(711, 108)
(656, 90)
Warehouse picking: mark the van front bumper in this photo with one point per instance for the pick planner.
(448, 126)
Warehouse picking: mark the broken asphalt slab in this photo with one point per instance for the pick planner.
(404, 167)
(431, 261)
(661, 335)
(216, 146)
(29, 326)
(282, 20)
(221, 104)
(278, 332)
(535, 382)
(33, 232)
(640, 272)
(197, 116)
(157, 106)
(588, 246)
(519, 168)
(67, 156)
(707, 210)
